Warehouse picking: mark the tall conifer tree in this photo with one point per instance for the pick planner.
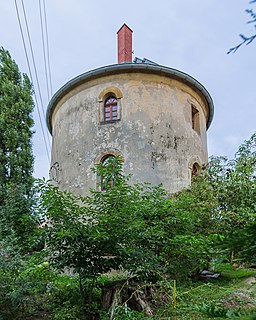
(16, 159)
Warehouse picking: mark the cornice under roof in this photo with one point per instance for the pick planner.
(129, 68)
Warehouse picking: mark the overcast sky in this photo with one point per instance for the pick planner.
(191, 36)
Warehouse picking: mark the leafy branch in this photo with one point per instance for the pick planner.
(246, 39)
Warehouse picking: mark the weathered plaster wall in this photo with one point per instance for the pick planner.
(154, 136)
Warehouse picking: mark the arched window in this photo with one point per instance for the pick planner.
(110, 105)
(109, 168)
(108, 179)
(110, 109)
(195, 169)
(106, 159)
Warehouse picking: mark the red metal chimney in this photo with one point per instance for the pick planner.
(124, 39)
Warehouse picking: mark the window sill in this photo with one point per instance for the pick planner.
(109, 122)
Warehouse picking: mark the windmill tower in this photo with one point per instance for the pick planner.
(154, 117)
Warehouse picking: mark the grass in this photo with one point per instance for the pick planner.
(228, 297)
(231, 296)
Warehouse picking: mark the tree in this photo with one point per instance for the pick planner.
(128, 227)
(135, 227)
(190, 228)
(106, 230)
(16, 159)
(246, 39)
(234, 183)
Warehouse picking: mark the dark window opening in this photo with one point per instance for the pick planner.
(195, 119)
(195, 169)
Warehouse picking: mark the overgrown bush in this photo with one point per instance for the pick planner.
(137, 228)
(23, 283)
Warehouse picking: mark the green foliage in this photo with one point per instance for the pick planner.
(227, 297)
(23, 283)
(217, 311)
(125, 313)
(139, 229)
(189, 225)
(234, 180)
(39, 274)
(15, 215)
(231, 272)
(15, 124)
(67, 311)
(234, 183)
(64, 298)
(64, 287)
(16, 159)
(107, 230)
(131, 227)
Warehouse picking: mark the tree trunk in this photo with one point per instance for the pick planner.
(81, 289)
(137, 296)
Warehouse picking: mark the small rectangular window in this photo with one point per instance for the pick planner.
(195, 119)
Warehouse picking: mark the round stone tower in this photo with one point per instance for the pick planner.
(154, 117)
